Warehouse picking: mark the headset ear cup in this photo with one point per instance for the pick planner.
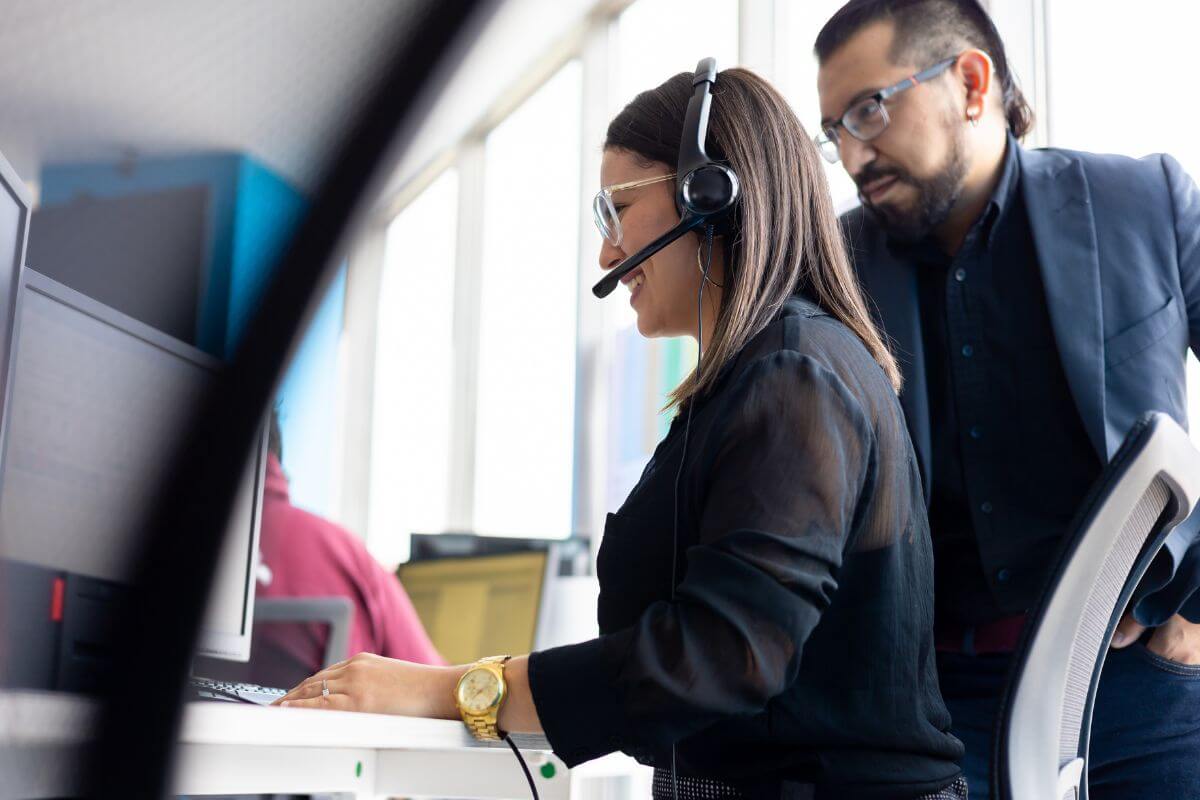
(711, 191)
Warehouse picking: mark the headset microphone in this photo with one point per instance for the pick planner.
(705, 191)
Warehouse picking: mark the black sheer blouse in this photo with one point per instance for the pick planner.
(798, 646)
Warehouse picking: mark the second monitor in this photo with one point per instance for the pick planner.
(99, 405)
(480, 605)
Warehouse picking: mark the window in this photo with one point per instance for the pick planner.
(414, 361)
(796, 28)
(525, 409)
(1105, 106)
(660, 38)
(654, 41)
(1123, 105)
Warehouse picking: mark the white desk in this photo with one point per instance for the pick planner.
(242, 749)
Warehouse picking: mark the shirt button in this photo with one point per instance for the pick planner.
(960, 274)
(985, 507)
(1004, 575)
(968, 351)
(976, 432)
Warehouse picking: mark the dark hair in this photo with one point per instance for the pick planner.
(785, 238)
(927, 31)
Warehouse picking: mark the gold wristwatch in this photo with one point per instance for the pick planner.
(479, 694)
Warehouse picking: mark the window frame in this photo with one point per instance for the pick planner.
(593, 43)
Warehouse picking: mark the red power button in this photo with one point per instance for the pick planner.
(58, 591)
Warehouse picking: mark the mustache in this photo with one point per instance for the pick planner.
(870, 174)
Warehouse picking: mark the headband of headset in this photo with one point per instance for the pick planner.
(705, 191)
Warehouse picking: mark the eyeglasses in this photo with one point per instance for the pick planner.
(607, 218)
(868, 117)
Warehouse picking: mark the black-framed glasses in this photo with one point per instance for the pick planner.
(868, 117)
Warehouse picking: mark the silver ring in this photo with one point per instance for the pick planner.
(324, 688)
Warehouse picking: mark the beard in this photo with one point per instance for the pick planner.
(936, 196)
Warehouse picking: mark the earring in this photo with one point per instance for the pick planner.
(974, 120)
(700, 266)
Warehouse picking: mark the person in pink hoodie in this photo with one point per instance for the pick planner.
(305, 555)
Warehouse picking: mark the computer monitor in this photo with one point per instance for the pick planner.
(481, 605)
(15, 203)
(99, 404)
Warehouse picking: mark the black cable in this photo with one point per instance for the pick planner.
(524, 766)
(687, 429)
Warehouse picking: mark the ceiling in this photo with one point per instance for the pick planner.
(101, 80)
(113, 80)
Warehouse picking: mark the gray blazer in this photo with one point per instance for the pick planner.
(1118, 243)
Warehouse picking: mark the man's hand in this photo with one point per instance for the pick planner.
(1175, 640)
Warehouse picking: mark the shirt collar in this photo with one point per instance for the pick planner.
(1005, 193)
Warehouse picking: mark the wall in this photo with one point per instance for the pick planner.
(250, 214)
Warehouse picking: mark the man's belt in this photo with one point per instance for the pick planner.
(999, 636)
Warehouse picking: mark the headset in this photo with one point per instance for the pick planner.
(705, 190)
(706, 193)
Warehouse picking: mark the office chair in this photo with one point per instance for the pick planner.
(336, 612)
(1151, 485)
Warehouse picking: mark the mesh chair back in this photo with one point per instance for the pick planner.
(1151, 485)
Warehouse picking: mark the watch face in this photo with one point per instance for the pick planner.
(478, 691)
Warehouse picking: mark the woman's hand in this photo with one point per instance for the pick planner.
(388, 686)
(380, 685)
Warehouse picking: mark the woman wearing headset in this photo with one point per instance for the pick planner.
(766, 589)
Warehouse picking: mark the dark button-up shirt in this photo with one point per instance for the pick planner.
(1011, 461)
(797, 646)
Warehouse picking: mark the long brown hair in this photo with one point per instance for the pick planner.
(786, 236)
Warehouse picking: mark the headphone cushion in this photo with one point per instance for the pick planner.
(709, 190)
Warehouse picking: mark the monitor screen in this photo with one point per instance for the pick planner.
(479, 604)
(99, 404)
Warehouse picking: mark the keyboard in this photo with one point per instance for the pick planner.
(208, 689)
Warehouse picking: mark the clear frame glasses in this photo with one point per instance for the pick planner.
(608, 220)
(865, 119)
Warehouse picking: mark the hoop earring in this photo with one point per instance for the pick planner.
(700, 266)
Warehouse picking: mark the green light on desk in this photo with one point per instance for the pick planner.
(548, 770)
(358, 770)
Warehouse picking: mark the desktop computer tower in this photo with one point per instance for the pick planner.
(60, 626)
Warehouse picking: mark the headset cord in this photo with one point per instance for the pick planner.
(687, 429)
(524, 767)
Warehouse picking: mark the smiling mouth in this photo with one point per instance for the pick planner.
(633, 282)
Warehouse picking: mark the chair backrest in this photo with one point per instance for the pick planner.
(1150, 486)
(336, 612)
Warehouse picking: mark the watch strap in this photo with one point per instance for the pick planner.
(483, 729)
(486, 727)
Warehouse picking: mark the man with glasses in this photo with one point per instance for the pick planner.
(1039, 302)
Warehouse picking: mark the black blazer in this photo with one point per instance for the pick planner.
(798, 646)
(1118, 243)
